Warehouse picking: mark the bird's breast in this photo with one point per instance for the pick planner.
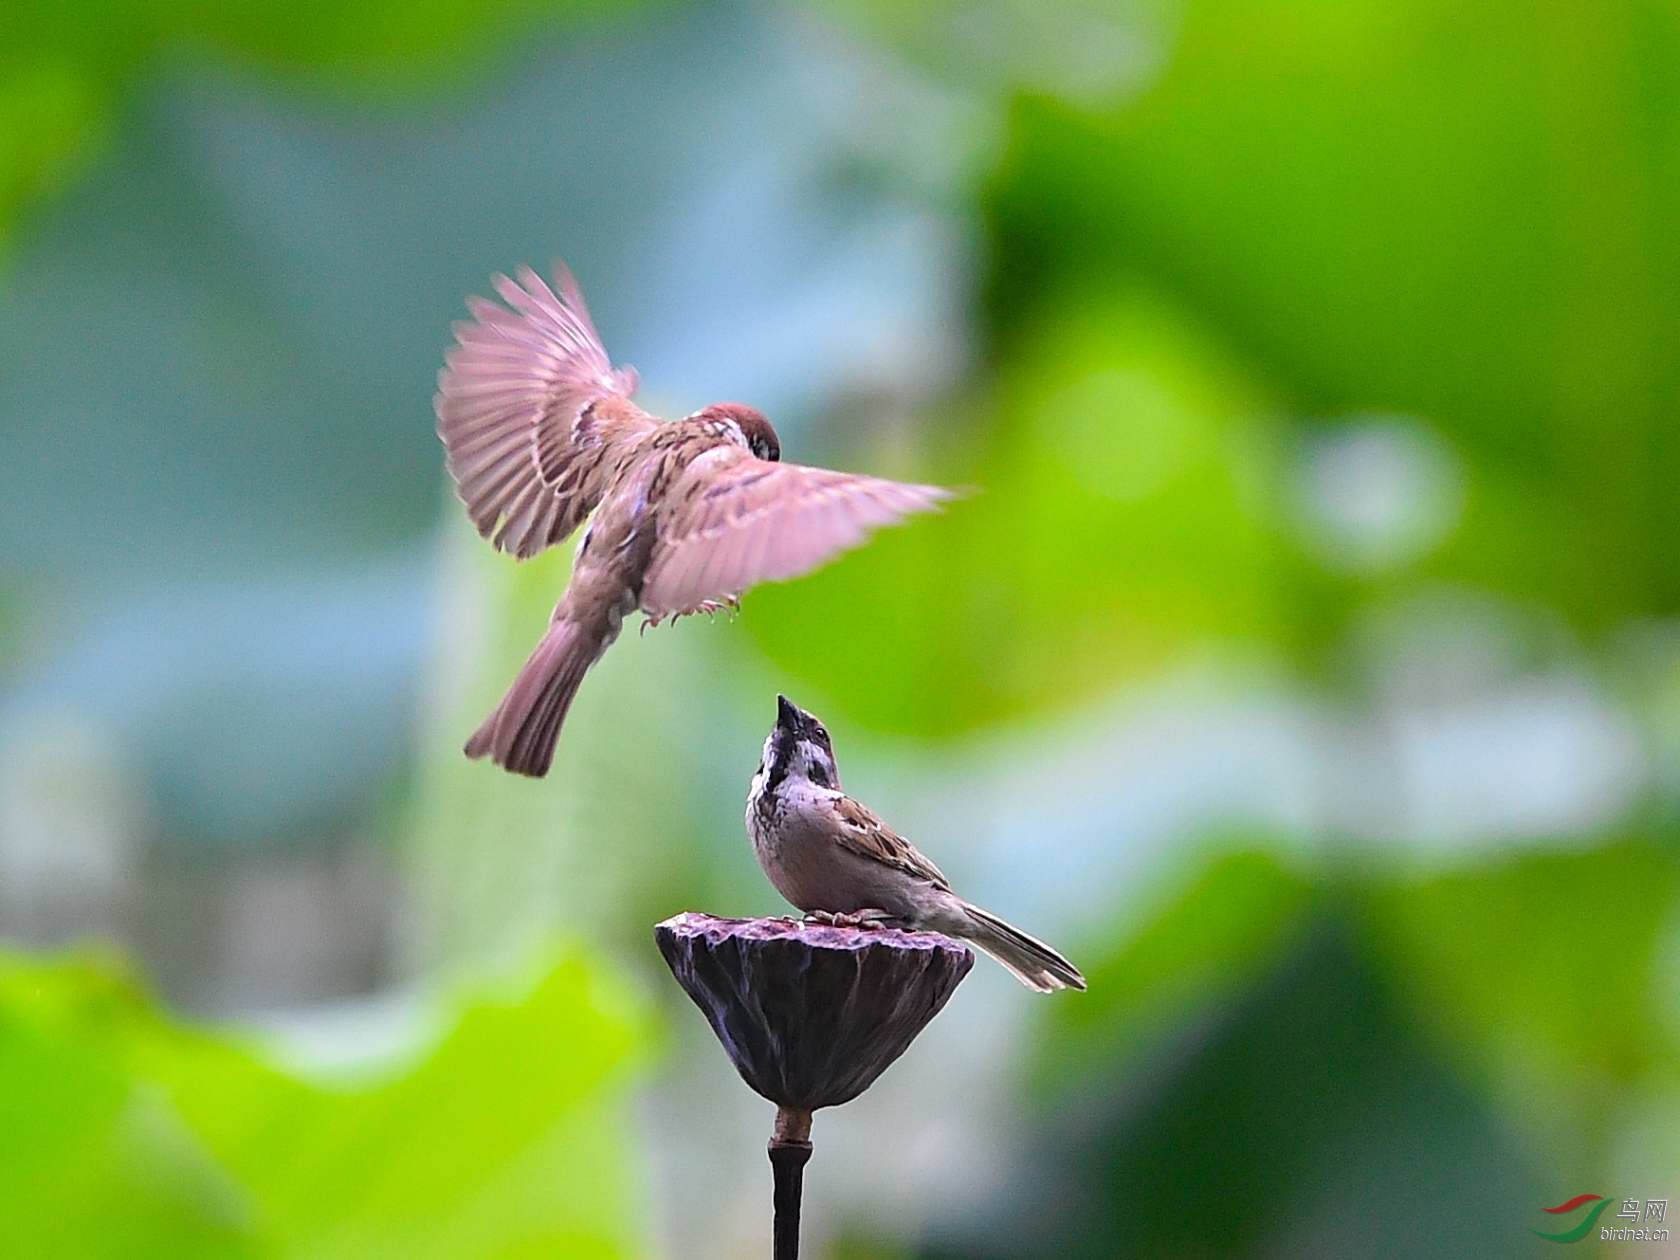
(796, 843)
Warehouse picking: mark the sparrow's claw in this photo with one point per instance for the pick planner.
(865, 919)
(874, 919)
(710, 607)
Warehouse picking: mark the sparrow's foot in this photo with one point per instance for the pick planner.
(866, 919)
(710, 607)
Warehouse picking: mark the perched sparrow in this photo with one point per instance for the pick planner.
(539, 431)
(833, 858)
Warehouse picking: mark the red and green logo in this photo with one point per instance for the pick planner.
(1585, 1226)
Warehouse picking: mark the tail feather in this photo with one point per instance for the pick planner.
(1030, 961)
(521, 731)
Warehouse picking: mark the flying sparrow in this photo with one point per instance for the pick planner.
(539, 431)
(833, 858)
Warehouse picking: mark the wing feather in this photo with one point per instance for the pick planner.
(535, 420)
(863, 832)
(735, 521)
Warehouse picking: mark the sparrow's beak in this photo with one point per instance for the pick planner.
(787, 713)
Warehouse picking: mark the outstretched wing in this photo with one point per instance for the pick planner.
(733, 521)
(534, 418)
(862, 831)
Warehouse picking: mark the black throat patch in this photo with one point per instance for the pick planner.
(781, 755)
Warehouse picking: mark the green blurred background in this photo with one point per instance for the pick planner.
(1308, 668)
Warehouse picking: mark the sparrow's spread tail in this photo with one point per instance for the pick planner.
(1030, 961)
(521, 731)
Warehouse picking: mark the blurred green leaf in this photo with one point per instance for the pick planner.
(1300, 1115)
(94, 1164)
(144, 1138)
(50, 116)
(1539, 972)
(1209, 940)
(65, 68)
(1424, 208)
(1265, 1035)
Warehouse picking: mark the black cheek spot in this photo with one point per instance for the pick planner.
(819, 776)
